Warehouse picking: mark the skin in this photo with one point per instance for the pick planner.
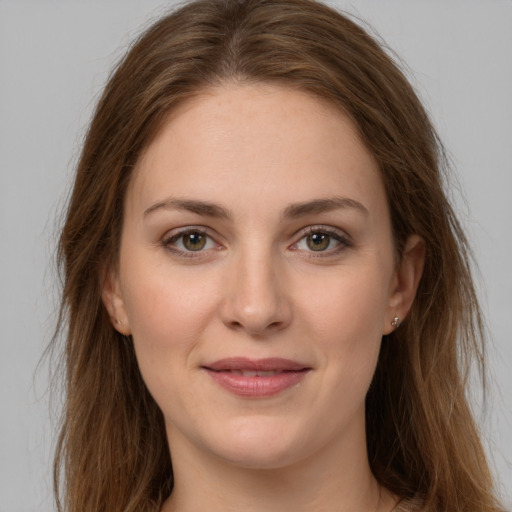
(257, 289)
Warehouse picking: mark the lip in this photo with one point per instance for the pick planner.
(239, 375)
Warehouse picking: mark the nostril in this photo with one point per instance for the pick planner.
(255, 329)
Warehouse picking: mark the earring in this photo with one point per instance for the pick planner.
(396, 322)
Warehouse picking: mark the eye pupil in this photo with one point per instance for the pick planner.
(194, 241)
(318, 241)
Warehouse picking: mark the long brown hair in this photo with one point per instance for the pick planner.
(112, 454)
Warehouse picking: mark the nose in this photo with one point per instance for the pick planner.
(256, 299)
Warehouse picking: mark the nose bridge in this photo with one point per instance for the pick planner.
(256, 300)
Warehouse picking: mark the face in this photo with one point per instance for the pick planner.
(257, 276)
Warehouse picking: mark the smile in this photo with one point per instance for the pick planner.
(252, 373)
(256, 378)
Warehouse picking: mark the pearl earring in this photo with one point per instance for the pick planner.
(396, 322)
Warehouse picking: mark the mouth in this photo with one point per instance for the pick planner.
(260, 378)
(254, 373)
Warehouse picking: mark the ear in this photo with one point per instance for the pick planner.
(112, 298)
(405, 282)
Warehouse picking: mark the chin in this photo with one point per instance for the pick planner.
(260, 443)
(259, 456)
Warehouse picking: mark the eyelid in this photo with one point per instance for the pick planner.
(324, 228)
(173, 235)
(338, 234)
(343, 239)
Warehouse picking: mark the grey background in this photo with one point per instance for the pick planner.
(54, 58)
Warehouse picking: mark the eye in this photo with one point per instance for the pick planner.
(193, 241)
(321, 240)
(189, 241)
(318, 241)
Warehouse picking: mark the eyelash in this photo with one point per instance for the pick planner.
(168, 241)
(343, 241)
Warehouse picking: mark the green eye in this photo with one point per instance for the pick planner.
(318, 241)
(194, 241)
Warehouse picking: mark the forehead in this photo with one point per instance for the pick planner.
(264, 140)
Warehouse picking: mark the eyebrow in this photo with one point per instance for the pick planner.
(204, 208)
(322, 206)
(296, 210)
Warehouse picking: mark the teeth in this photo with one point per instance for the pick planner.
(252, 373)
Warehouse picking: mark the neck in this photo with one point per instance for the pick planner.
(327, 482)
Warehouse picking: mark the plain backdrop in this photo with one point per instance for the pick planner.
(54, 59)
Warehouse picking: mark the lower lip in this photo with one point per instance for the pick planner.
(257, 387)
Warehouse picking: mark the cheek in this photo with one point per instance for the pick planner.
(166, 309)
(347, 302)
(345, 317)
(168, 314)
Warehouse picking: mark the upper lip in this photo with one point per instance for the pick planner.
(267, 364)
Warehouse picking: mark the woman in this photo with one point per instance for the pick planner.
(265, 288)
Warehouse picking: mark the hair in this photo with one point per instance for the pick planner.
(422, 441)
